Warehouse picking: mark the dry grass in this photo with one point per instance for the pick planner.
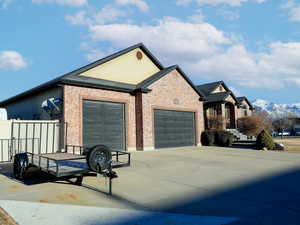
(5, 219)
(291, 144)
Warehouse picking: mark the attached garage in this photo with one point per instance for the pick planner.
(174, 128)
(127, 101)
(104, 122)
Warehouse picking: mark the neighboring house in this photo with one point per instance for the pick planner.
(128, 101)
(219, 102)
(245, 107)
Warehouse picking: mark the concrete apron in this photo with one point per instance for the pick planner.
(30, 213)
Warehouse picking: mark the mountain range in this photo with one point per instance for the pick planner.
(276, 109)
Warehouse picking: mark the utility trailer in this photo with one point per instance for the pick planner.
(73, 162)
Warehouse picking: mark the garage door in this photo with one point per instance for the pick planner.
(103, 123)
(174, 128)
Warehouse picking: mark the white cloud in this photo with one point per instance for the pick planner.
(94, 54)
(198, 17)
(73, 3)
(233, 3)
(206, 52)
(235, 91)
(11, 60)
(228, 14)
(183, 2)
(5, 3)
(169, 37)
(276, 68)
(293, 10)
(142, 5)
(107, 14)
(79, 19)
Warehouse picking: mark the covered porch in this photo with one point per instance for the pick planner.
(220, 115)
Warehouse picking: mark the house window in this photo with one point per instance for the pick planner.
(220, 88)
(245, 113)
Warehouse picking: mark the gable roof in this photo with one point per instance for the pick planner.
(147, 82)
(209, 87)
(210, 97)
(241, 99)
(217, 97)
(73, 78)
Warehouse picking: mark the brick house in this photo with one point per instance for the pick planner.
(221, 102)
(245, 107)
(127, 101)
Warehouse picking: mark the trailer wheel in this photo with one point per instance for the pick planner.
(99, 158)
(20, 165)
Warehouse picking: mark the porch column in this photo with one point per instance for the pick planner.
(235, 116)
(223, 114)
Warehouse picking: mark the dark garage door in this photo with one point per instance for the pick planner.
(174, 128)
(103, 123)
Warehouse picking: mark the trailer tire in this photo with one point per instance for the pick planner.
(20, 165)
(99, 158)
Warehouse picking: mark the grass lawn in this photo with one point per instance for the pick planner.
(291, 144)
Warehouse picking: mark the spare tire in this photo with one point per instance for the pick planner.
(99, 158)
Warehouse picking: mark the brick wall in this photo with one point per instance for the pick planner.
(241, 111)
(174, 93)
(170, 92)
(73, 99)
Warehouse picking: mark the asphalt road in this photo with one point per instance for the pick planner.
(253, 187)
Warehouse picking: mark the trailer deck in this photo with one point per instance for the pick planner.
(74, 163)
(59, 164)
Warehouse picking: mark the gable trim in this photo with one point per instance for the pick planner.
(146, 83)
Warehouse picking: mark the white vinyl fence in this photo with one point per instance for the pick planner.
(35, 136)
(5, 140)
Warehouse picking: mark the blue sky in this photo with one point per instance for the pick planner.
(253, 45)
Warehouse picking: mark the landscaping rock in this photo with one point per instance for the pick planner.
(279, 147)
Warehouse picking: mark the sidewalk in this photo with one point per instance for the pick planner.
(29, 213)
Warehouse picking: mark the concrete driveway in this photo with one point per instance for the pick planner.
(255, 187)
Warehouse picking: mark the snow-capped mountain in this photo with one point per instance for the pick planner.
(276, 109)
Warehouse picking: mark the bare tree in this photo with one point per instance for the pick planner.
(282, 121)
(253, 125)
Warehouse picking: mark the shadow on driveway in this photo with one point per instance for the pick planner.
(270, 201)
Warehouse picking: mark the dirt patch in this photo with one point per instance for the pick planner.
(291, 144)
(72, 196)
(6, 219)
(66, 197)
(13, 187)
(44, 201)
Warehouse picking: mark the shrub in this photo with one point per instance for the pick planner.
(220, 138)
(224, 138)
(208, 138)
(264, 140)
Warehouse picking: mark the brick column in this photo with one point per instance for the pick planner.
(139, 121)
